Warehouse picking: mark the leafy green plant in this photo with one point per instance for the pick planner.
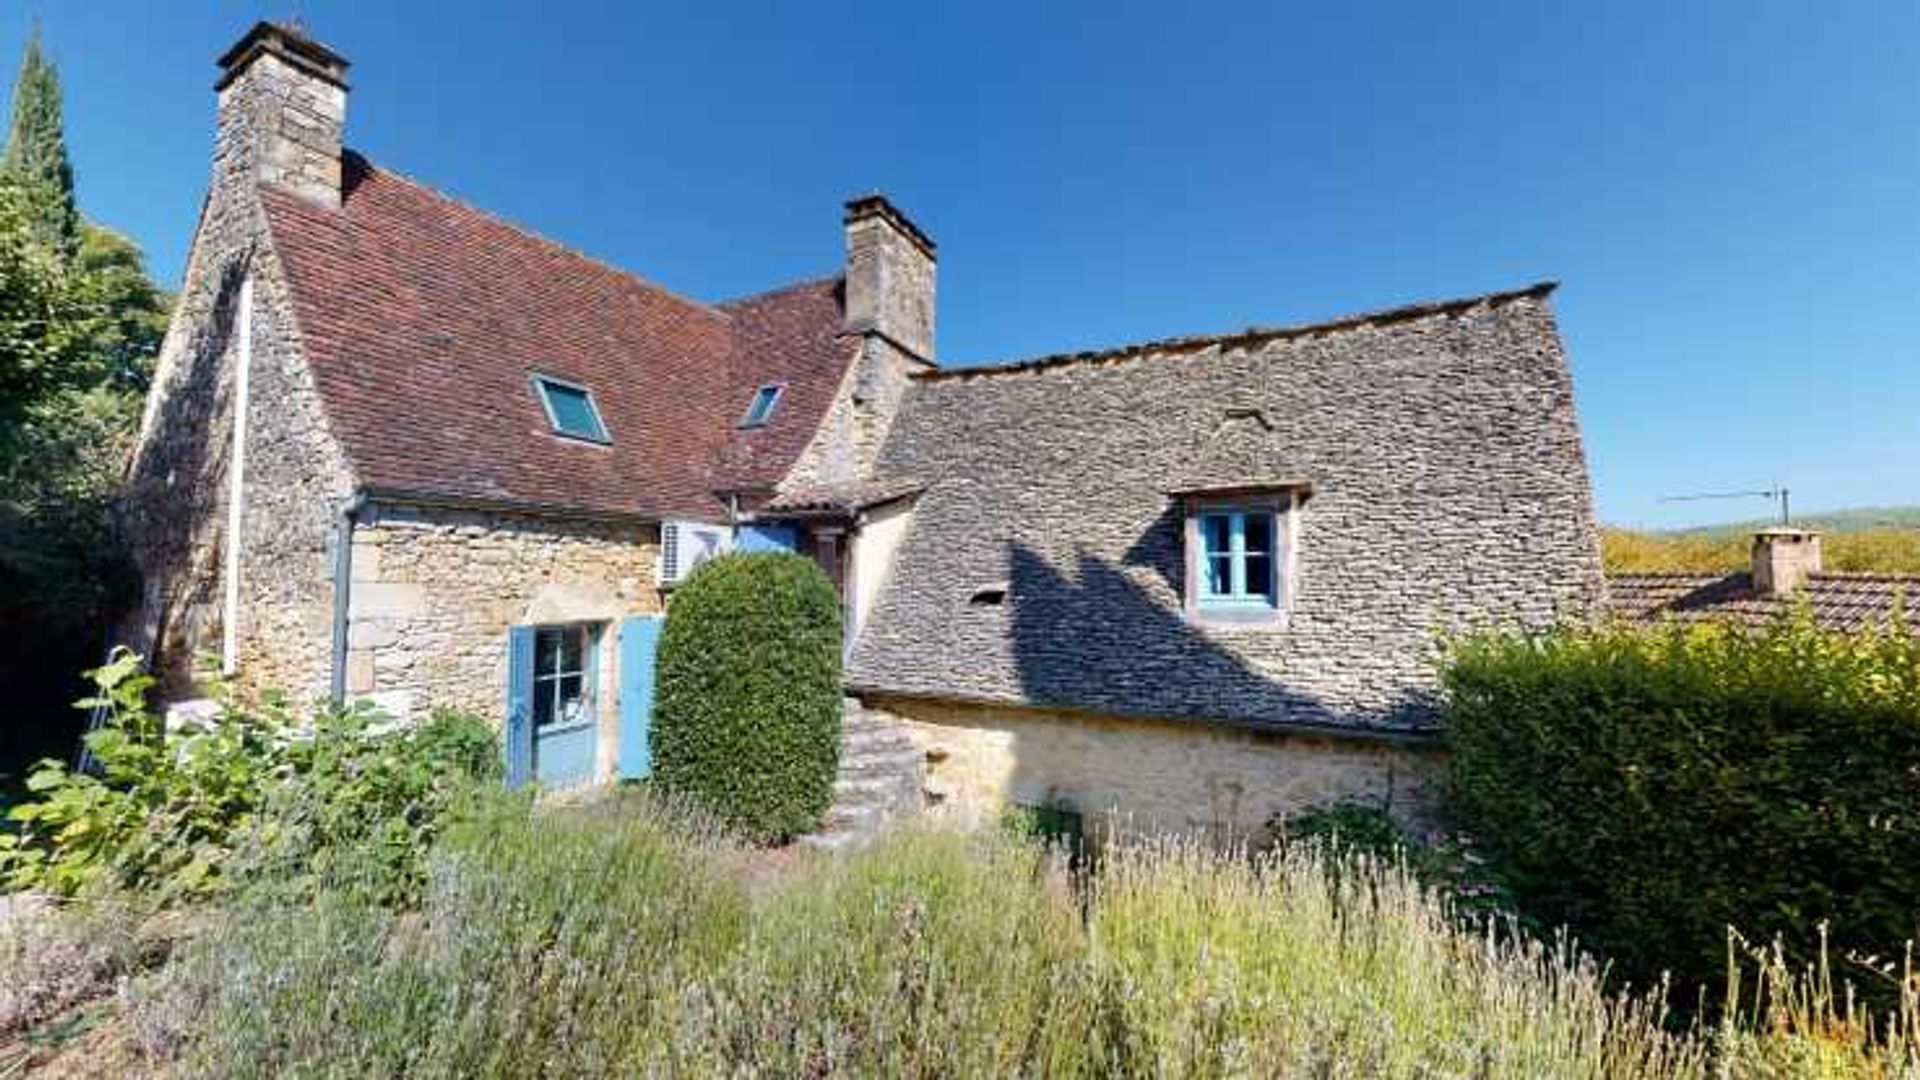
(247, 790)
(1652, 787)
(747, 711)
(1446, 863)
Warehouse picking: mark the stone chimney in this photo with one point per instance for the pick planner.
(890, 268)
(1783, 557)
(283, 108)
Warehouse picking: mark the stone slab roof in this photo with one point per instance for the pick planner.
(422, 319)
(1844, 602)
(1447, 485)
(843, 499)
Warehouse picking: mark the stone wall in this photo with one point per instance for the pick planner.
(1157, 776)
(434, 592)
(296, 477)
(856, 424)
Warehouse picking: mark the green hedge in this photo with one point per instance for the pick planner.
(1652, 787)
(747, 711)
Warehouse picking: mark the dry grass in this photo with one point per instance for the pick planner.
(1876, 551)
(621, 943)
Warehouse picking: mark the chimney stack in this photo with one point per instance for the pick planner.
(1783, 558)
(283, 110)
(890, 272)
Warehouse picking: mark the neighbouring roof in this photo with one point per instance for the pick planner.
(1846, 602)
(1448, 485)
(842, 499)
(423, 320)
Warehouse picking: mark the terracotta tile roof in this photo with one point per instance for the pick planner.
(1837, 601)
(423, 319)
(789, 337)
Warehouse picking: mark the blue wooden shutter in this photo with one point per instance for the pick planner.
(639, 640)
(518, 732)
(767, 536)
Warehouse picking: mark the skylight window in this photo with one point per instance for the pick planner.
(760, 410)
(570, 409)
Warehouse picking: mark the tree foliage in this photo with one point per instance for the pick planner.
(747, 711)
(80, 323)
(36, 159)
(245, 793)
(1653, 787)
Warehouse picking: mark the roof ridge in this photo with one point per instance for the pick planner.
(522, 230)
(768, 294)
(1674, 575)
(1248, 336)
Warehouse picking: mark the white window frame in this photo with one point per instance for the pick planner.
(550, 681)
(1283, 506)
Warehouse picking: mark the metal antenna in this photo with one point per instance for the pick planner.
(1779, 493)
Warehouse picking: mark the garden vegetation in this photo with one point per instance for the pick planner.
(746, 718)
(1652, 787)
(453, 928)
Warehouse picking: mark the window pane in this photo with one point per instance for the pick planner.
(572, 648)
(1259, 534)
(542, 703)
(1216, 534)
(1219, 575)
(761, 409)
(573, 412)
(548, 643)
(1259, 574)
(572, 691)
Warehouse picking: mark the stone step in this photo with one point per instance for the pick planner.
(877, 731)
(893, 790)
(880, 765)
(844, 817)
(842, 840)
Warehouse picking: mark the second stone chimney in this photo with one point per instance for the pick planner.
(890, 269)
(283, 111)
(1783, 558)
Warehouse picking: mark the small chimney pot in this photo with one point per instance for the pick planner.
(1783, 559)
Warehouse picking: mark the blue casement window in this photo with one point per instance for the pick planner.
(760, 409)
(1238, 557)
(570, 409)
(563, 675)
(1237, 564)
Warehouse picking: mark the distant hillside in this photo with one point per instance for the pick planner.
(1859, 519)
(1875, 539)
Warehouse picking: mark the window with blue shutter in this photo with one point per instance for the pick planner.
(518, 729)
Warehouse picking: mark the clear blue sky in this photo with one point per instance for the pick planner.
(1730, 192)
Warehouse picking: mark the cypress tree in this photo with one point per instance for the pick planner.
(36, 157)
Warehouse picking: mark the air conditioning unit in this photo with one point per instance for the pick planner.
(686, 544)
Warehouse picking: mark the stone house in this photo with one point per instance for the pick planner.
(398, 449)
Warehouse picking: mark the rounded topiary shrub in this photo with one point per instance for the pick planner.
(746, 715)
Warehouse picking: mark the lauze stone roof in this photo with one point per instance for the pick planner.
(1844, 602)
(1447, 485)
(422, 319)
